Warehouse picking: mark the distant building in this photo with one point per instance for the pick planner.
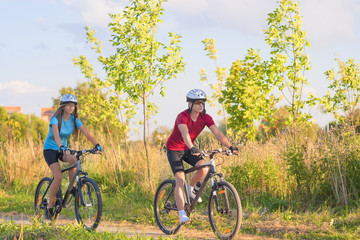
(11, 110)
(46, 113)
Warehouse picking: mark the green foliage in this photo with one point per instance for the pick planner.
(297, 169)
(17, 126)
(94, 108)
(289, 60)
(248, 94)
(217, 87)
(160, 135)
(140, 65)
(343, 97)
(339, 164)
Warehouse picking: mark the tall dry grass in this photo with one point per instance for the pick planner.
(309, 171)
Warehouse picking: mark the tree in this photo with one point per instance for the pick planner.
(248, 94)
(289, 60)
(253, 83)
(342, 99)
(221, 75)
(141, 64)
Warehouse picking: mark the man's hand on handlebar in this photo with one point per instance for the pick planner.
(233, 149)
(195, 151)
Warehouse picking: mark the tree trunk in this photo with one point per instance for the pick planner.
(145, 142)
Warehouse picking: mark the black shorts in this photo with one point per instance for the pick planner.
(51, 156)
(175, 159)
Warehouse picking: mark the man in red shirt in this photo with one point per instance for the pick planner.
(180, 146)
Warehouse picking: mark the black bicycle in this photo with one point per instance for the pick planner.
(88, 203)
(224, 207)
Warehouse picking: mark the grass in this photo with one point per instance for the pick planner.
(125, 205)
(10, 230)
(271, 203)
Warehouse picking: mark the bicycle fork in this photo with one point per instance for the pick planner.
(223, 191)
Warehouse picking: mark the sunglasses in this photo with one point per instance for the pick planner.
(199, 102)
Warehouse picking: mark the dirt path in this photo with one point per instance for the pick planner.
(130, 229)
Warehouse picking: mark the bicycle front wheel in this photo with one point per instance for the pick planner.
(166, 214)
(41, 200)
(225, 212)
(88, 204)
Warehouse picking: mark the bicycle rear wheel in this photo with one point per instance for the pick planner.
(225, 212)
(41, 199)
(88, 204)
(165, 210)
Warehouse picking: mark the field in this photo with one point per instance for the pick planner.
(287, 191)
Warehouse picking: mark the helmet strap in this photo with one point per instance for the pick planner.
(204, 111)
(190, 108)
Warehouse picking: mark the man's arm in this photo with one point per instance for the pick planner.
(219, 135)
(185, 135)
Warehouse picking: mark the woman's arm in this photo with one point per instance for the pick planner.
(56, 134)
(88, 135)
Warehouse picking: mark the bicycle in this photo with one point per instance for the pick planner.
(88, 203)
(224, 206)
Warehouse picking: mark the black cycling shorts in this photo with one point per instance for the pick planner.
(175, 159)
(51, 156)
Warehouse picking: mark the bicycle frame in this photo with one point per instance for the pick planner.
(76, 178)
(210, 175)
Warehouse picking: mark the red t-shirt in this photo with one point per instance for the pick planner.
(176, 141)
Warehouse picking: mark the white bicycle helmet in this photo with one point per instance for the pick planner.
(195, 95)
(68, 98)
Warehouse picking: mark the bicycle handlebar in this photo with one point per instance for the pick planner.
(81, 152)
(211, 153)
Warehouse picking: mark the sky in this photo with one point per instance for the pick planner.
(39, 39)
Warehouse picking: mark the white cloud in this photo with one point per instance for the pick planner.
(326, 22)
(95, 12)
(329, 22)
(241, 15)
(21, 87)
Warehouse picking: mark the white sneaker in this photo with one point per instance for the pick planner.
(183, 217)
(192, 193)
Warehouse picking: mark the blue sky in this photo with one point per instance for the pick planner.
(39, 39)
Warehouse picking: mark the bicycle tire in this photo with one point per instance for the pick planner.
(88, 208)
(225, 221)
(41, 201)
(166, 216)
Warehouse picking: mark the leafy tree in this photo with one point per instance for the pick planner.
(342, 99)
(3, 127)
(289, 60)
(141, 64)
(253, 83)
(221, 75)
(21, 128)
(248, 94)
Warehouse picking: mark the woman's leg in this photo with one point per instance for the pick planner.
(70, 159)
(58, 176)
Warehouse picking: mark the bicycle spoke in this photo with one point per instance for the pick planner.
(225, 211)
(166, 213)
(41, 199)
(88, 205)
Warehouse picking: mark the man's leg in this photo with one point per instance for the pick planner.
(199, 174)
(179, 196)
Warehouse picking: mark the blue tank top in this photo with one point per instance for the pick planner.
(67, 127)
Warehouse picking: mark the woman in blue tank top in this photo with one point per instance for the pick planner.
(63, 123)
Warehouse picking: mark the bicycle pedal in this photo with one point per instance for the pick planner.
(73, 191)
